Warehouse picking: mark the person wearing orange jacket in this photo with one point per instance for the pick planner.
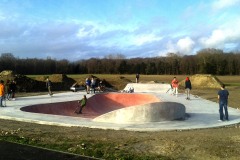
(175, 84)
(2, 93)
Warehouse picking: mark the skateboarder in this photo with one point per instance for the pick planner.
(175, 86)
(49, 87)
(82, 103)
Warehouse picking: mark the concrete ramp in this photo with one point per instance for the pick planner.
(151, 87)
(97, 105)
(151, 112)
(107, 102)
(59, 108)
(117, 108)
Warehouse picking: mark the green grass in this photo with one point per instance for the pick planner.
(233, 84)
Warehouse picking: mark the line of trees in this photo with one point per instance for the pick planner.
(206, 61)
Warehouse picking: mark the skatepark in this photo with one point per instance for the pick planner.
(149, 108)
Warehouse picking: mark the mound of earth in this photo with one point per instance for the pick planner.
(6, 73)
(26, 84)
(203, 81)
(59, 81)
(60, 78)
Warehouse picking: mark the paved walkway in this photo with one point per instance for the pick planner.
(202, 113)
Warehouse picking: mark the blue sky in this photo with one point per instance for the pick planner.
(82, 29)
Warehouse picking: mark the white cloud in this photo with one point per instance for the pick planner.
(221, 4)
(185, 45)
(145, 38)
(216, 39)
(84, 32)
(170, 48)
(219, 38)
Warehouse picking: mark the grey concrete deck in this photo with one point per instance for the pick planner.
(202, 113)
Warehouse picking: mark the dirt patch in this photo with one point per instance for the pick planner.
(203, 81)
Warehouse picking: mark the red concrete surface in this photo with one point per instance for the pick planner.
(96, 105)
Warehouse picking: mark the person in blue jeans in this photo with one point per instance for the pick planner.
(223, 102)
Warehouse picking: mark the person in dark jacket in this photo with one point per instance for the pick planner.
(223, 103)
(13, 88)
(188, 87)
(137, 77)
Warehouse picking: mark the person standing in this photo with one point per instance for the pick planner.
(88, 85)
(175, 86)
(188, 87)
(93, 84)
(2, 93)
(13, 88)
(8, 90)
(83, 103)
(49, 87)
(223, 102)
(137, 77)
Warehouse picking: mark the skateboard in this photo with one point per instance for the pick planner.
(170, 89)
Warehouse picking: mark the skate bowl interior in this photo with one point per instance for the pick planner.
(116, 108)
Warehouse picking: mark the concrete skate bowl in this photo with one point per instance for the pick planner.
(116, 108)
(96, 105)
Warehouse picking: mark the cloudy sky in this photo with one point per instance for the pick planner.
(81, 29)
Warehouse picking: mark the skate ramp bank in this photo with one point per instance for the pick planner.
(108, 102)
(148, 87)
(60, 108)
(96, 105)
(151, 112)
